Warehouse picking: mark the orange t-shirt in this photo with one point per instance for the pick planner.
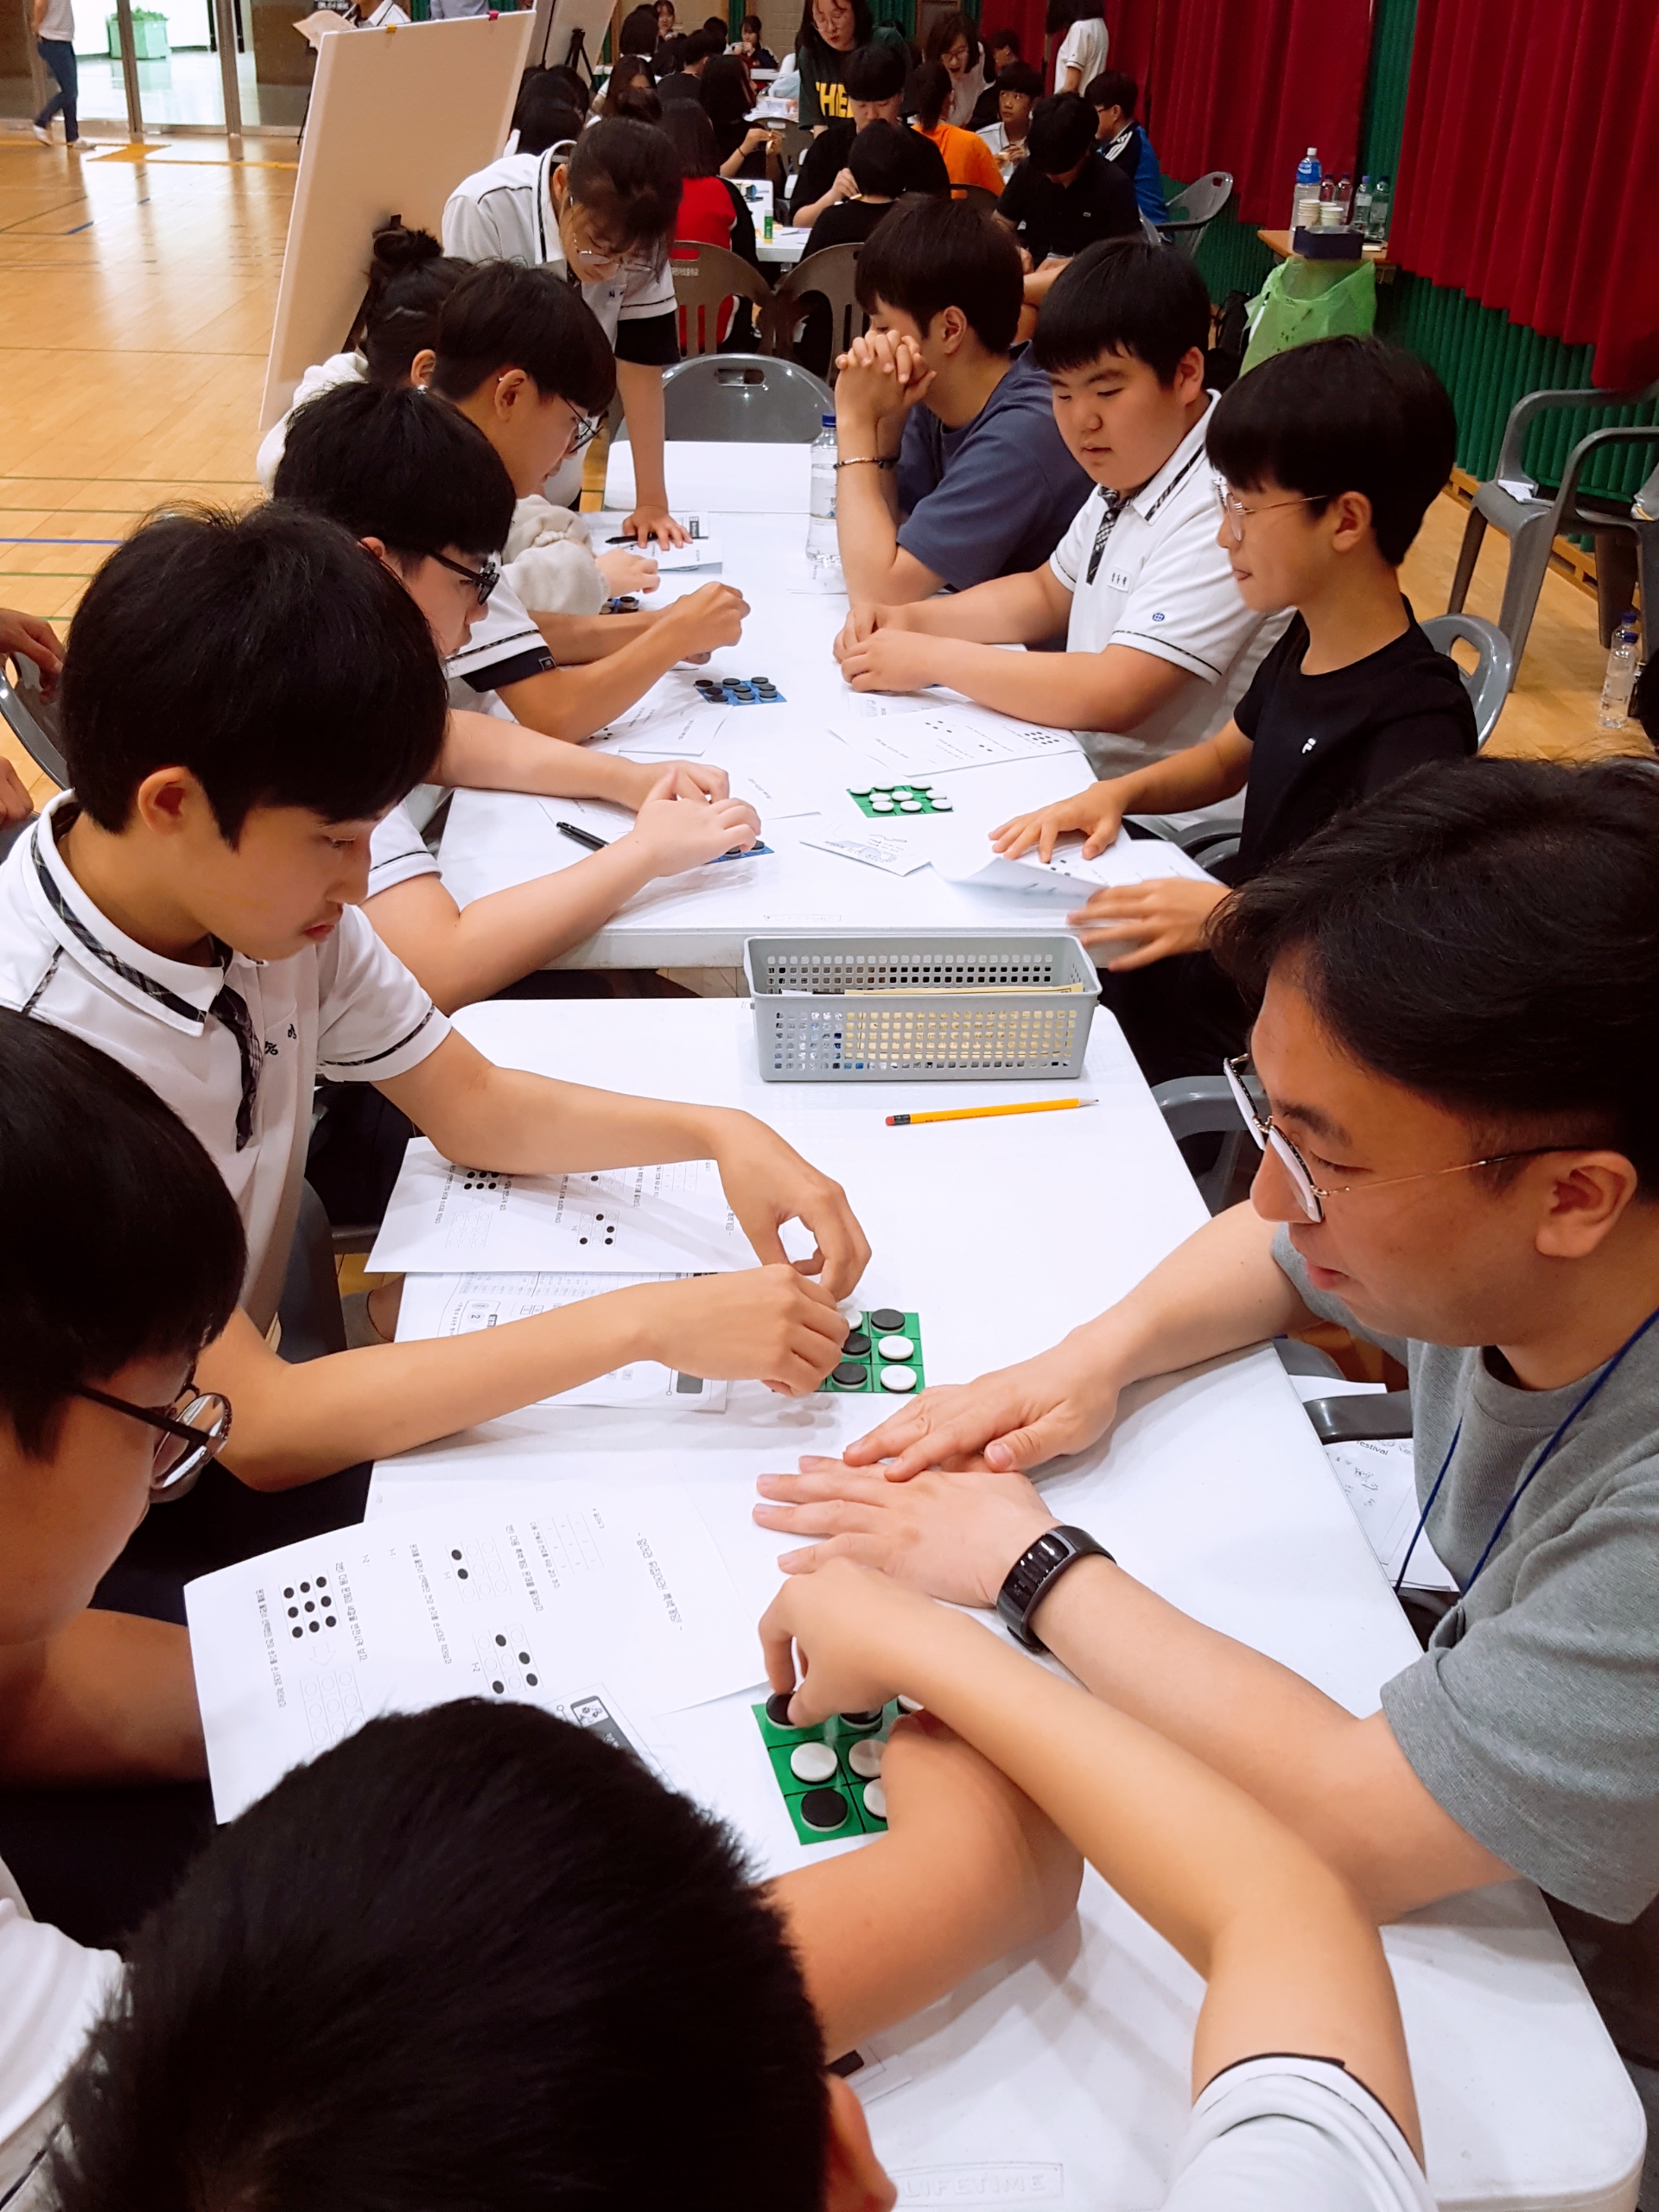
(967, 159)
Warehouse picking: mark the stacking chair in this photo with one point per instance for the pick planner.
(738, 397)
(1488, 682)
(706, 279)
(1194, 208)
(828, 275)
(33, 724)
(1531, 518)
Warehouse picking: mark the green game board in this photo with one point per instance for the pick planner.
(860, 1351)
(922, 796)
(839, 1734)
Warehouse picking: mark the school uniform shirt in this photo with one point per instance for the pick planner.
(994, 497)
(235, 1049)
(822, 97)
(1320, 743)
(1285, 2134)
(504, 647)
(1146, 571)
(320, 376)
(826, 157)
(1131, 151)
(505, 212)
(1083, 48)
(52, 1990)
(1063, 219)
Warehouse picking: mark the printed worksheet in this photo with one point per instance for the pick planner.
(926, 744)
(673, 726)
(1126, 861)
(874, 848)
(547, 1601)
(456, 1306)
(669, 1220)
(1379, 1481)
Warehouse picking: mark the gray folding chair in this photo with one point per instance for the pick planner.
(733, 399)
(33, 723)
(1511, 500)
(829, 275)
(1194, 208)
(1488, 682)
(707, 278)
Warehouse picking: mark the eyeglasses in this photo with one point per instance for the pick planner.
(1236, 514)
(585, 429)
(597, 257)
(483, 580)
(193, 1429)
(1309, 1196)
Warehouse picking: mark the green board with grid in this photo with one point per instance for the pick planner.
(863, 1365)
(829, 1803)
(907, 801)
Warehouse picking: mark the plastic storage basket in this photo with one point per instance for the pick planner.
(931, 1009)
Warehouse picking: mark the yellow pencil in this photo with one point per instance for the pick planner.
(984, 1113)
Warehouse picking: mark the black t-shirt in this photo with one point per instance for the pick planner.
(1320, 743)
(1063, 219)
(824, 159)
(850, 222)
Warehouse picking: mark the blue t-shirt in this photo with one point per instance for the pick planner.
(995, 498)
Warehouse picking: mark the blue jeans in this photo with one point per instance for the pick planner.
(59, 56)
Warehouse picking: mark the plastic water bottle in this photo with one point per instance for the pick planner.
(1621, 674)
(822, 548)
(1377, 228)
(1309, 176)
(1361, 217)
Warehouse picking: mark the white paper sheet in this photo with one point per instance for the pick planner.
(548, 1603)
(458, 1306)
(941, 737)
(1378, 1479)
(671, 1219)
(966, 859)
(659, 726)
(874, 848)
(775, 794)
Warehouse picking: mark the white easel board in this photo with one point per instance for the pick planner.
(556, 19)
(397, 118)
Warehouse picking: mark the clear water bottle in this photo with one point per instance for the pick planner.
(1377, 228)
(822, 548)
(1309, 177)
(1361, 217)
(1621, 674)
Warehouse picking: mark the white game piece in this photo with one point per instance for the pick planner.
(812, 1762)
(910, 1704)
(895, 1347)
(865, 1757)
(881, 804)
(898, 1378)
(943, 806)
(911, 806)
(875, 1800)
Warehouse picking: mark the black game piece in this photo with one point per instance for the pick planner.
(857, 1345)
(872, 1720)
(825, 1808)
(850, 1374)
(886, 1320)
(777, 1708)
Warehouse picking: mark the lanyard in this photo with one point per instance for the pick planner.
(1605, 1375)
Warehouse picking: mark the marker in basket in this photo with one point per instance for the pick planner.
(987, 1113)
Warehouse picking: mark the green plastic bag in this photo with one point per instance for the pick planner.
(1304, 300)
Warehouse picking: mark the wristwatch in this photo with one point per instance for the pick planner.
(1034, 1573)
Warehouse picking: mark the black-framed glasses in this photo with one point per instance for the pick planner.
(190, 1433)
(585, 429)
(1252, 1105)
(483, 580)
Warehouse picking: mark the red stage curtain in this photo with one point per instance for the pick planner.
(1529, 168)
(1247, 85)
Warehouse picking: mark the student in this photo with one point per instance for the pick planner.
(1124, 142)
(696, 51)
(523, 359)
(638, 34)
(1018, 89)
(483, 1879)
(1005, 49)
(953, 42)
(951, 469)
(551, 109)
(967, 160)
(831, 31)
(231, 974)
(874, 83)
(1454, 1060)
(1083, 45)
(1063, 197)
(749, 46)
(876, 164)
(1160, 645)
(604, 220)
(629, 91)
(746, 150)
(1328, 459)
(419, 485)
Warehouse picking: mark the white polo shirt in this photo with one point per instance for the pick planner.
(240, 1079)
(1156, 580)
(1293, 2135)
(505, 647)
(51, 1991)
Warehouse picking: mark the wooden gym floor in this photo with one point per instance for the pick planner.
(136, 291)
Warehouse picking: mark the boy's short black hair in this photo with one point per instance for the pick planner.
(1123, 296)
(268, 653)
(875, 72)
(1341, 415)
(1021, 77)
(121, 1242)
(402, 466)
(1061, 134)
(1484, 932)
(503, 316)
(546, 114)
(932, 253)
(1005, 42)
(703, 45)
(470, 1956)
(1112, 88)
(638, 33)
(876, 158)
(625, 175)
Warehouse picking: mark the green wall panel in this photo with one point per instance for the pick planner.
(1394, 26)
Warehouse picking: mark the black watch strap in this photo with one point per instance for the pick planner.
(1034, 1573)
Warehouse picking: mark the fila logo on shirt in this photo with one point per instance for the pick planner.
(1309, 746)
